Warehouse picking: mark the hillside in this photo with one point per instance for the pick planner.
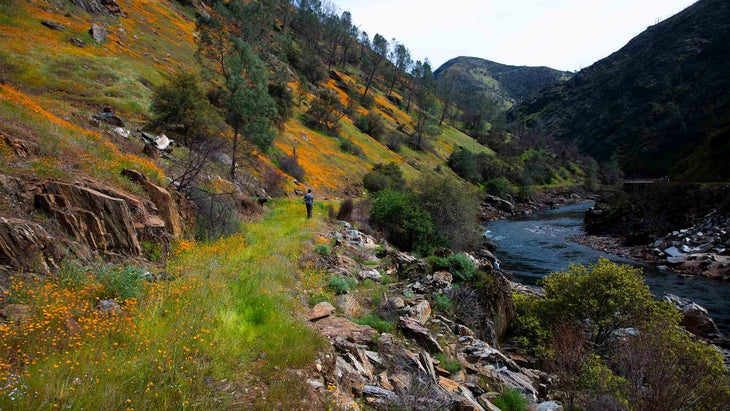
(504, 83)
(660, 105)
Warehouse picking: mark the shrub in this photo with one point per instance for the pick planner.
(403, 222)
(290, 165)
(471, 310)
(371, 124)
(325, 111)
(664, 368)
(527, 329)
(603, 297)
(340, 285)
(464, 164)
(121, 283)
(181, 108)
(459, 265)
(322, 249)
(367, 100)
(511, 400)
(442, 302)
(152, 251)
(394, 141)
(215, 215)
(499, 186)
(284, 100)
(348, 146)
(453, 206)
(384, 176)
(379, 324)
(345, 211)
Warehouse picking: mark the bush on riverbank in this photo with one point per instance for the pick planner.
(600, 329)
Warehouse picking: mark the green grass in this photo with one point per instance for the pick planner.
(511, 400)
(374, 321)
(225, 316)
(451, 365)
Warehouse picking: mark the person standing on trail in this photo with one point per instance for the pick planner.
(308, 201)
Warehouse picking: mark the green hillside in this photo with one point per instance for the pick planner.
(504, 83)
(660, 105)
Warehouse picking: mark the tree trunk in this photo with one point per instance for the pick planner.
(233, 154)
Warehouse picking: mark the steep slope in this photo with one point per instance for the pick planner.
(661, 104)
(507, 84)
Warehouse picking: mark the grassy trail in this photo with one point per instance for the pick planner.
(225, 322)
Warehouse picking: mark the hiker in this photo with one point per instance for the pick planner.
(308, 200)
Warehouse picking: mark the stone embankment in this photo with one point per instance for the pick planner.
(400, 368)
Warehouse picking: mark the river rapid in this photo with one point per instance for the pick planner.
(535, 245)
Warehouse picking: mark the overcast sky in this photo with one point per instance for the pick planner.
(562, 34)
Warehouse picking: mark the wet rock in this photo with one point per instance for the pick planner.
(675, 260)
(673, 252)
(321, 310)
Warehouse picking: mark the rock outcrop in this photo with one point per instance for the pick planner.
(400, 371)
(89, 218)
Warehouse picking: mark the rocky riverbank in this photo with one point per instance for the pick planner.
(496, 208)
(701, 249)
(680, 227)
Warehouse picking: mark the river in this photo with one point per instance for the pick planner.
(532, 246)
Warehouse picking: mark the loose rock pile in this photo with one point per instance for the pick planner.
(701, 249)
(387, 370)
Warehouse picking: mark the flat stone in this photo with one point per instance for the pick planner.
(449, 385)
(673, 252)
(321, 310)
(54, 25)
(337, 327)
(675, 260)
(378, 392)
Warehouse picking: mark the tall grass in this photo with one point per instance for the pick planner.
(192, 342)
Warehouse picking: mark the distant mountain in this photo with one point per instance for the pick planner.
(660, 105)
(507, 84)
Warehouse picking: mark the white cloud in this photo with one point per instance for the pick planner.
(563, 34)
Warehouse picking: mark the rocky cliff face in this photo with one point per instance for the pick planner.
(83, 218)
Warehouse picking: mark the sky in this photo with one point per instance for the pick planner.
(562, 34)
